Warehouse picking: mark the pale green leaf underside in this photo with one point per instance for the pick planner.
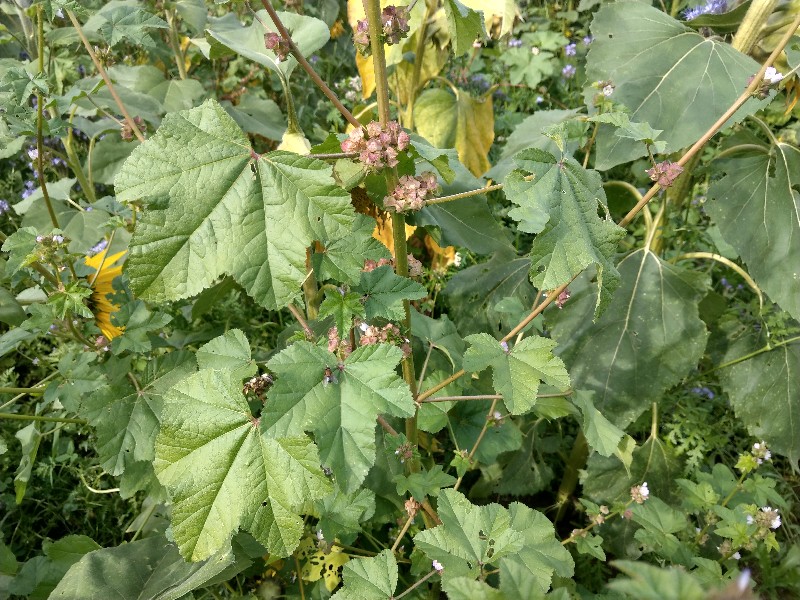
(668, 75)
(601, 434)
(561, 205)
(757, 208)
(308, 34)
(221, 217)
(223, 473)
(647, 341)
(518, 373)
(465, 25)
(341, 413)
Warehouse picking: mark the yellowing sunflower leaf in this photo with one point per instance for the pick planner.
(340, 410)
(561, 206)
(227, 212)
(241, 477)
(457, 121)
(518, 372)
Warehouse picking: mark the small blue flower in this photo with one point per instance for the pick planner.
(81, 71)
(4, 207)
(514, 43)
(712, 7)
(571, 49)
(568, 71)
(98, 247)
(539, 99)
(587, 40)
(313, 59)
(480, 81)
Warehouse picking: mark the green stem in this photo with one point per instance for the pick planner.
(469, 194)
(15, 417)
(307, 66)
(767, 348)
(415, 586)
(33, 391)
(419, 56)
(750, 28)
(40, 122)
(111, 90)
(577, 459)
(372, 9)
(75, 164)
(175, 44)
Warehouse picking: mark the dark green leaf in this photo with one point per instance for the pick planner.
(648, 340)
(755, 205)
(649, 56)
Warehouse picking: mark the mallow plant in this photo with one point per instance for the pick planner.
(246, 341)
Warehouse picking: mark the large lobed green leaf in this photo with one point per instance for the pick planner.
(341, 413)
(517, 540)
(223, 472)
(372, 578)
(667, 74)
(648, 340)
(758, 212)
(221, 216)
(126, 417)
(517, 372)
(561, 206)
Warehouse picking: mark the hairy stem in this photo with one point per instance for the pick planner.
(577, 459)
(750, 28)
(307, 66)
(97, 65)
(16, 417)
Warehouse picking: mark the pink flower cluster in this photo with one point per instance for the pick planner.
(370, 265)
(394, 21)
(394, 27)
(278, 45)
(389, 334)
(380, 146)
(337, 345)
(411, 192)
(665, 173)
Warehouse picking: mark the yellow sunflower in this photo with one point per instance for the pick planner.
(101, 283)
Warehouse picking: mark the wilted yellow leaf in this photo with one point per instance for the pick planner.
(383, 231)
(457, 121)
(503, 10)
(441, 258)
